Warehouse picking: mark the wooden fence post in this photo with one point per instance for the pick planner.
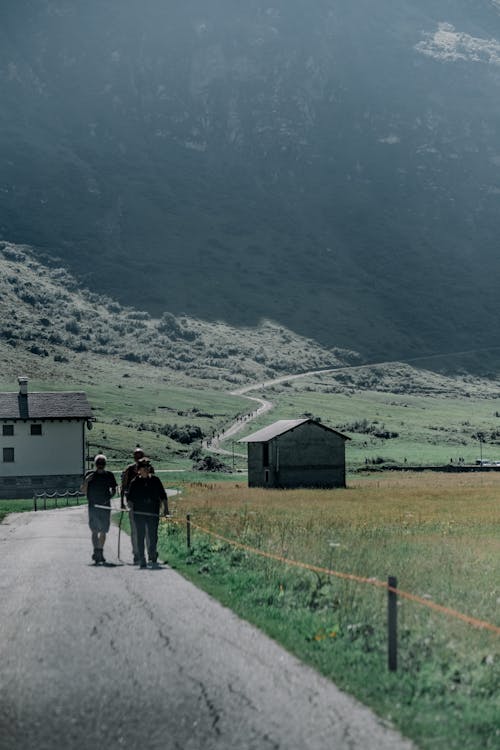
(188, 530)
(392, 624)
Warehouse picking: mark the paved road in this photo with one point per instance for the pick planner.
(117, 657)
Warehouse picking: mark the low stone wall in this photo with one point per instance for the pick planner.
(12, 488)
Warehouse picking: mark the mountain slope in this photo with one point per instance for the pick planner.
(48, 325)
(333, 166)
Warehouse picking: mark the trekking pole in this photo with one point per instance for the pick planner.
(119, 534)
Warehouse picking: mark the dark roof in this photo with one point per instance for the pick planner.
(282, 426)
(45, 406)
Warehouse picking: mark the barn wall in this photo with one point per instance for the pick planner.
(258, 474)
(308, 456)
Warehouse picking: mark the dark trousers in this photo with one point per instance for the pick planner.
(147, 530)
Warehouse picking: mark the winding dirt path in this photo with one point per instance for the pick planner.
(214, 444)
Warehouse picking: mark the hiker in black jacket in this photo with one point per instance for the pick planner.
(146, 495)
(99, 485)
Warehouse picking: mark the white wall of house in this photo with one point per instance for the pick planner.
(58, 450)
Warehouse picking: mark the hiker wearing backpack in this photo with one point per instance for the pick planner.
(128, 475)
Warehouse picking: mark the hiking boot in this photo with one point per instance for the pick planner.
(143, 564)
(136, 560)
(95, 556)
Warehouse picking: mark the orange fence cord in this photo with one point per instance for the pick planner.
(476, 623)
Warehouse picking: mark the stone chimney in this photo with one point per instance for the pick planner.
(23, 386)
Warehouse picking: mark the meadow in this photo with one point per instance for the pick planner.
(439, 534)
(394, 413)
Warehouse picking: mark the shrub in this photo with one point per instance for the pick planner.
(211, 463)
(169, 325)
(35, 349)
(72, 326)
(184, 434)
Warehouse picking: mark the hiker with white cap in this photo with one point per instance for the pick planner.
(99, 485)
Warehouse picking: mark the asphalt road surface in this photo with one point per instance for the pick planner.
(105, 658)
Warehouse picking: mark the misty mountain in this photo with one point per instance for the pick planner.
(330, 165)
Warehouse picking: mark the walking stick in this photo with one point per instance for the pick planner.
(122, 511)
(119, 534)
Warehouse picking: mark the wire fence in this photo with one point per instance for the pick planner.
(370, 581)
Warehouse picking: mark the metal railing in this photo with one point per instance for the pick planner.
(40, 498)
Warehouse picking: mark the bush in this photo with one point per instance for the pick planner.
(169, 325)
(72, 327)
(34, 349)
(184, 434)
(211, 463)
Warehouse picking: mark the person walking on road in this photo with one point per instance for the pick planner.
(147, 495)
(127, 476)
(99, 485)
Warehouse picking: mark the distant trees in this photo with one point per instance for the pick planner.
(184, 434)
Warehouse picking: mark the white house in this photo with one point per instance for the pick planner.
(42, 441)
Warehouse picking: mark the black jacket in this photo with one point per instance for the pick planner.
(100, 487)
(146, 494)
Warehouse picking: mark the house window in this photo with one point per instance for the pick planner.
(8, 455)
(36, 429)
(8, 430)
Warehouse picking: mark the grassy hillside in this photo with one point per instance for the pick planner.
(165, 383)
(395, 412)
(149, 380)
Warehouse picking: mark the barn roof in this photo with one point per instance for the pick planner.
(282, 426)
(45, 406)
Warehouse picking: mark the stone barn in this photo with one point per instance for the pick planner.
(296, 453)
(42, 438)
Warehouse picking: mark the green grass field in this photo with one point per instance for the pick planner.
(438, 534)
(432, 418)
(435, 420)
(133, 403)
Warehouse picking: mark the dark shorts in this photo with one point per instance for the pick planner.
(99, 519)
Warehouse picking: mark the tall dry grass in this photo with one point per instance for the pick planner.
(438, 533)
